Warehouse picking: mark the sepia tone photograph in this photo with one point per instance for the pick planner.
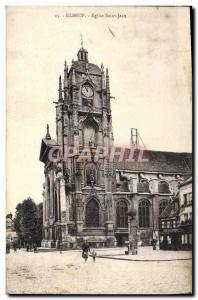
(99, 178)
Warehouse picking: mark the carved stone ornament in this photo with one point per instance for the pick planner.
(105, 132)
(108, 202)
(108, 171)
(93, 191)
(66, 175)
(76, 131)
(79, 202)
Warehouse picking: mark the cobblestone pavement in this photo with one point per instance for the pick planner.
(67, 273)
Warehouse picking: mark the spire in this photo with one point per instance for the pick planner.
(103, 77)
(107, 81)
(60, 96)
(82, 53)
(65, 83)
(81, 40)
(48, 136)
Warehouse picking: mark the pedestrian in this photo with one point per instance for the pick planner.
(85, 251)
(35, 248)
(93, 254)
(85, 255)
(8, 248)
(27, 247)
(15, 247)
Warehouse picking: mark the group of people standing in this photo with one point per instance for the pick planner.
(29, 247)
(15, 246)
(9, 246)
(86, 250)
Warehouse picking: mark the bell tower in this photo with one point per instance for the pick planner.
(83, 181)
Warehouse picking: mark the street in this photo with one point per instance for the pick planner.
(67, 273)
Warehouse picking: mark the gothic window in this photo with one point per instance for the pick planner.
(163, 204)
(90, 129)
(92, 214)
(121, 214)
(84, 102)
(163, 187)
(144, 213)
(90, 174)
(143, 186)
(89, 136)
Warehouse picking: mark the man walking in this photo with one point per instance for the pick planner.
(85, 251)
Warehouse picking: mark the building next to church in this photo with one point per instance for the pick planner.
(11, 235)
(185, 197)
(169, 226)
(175, 222)
(88, 199)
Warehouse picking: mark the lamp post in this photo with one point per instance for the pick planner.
(133, 245)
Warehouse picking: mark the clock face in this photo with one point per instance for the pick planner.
(87, 91)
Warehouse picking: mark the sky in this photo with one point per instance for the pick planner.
(147, 52)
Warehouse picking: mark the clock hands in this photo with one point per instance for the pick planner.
(87, 91)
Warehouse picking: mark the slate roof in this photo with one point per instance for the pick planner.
(157, 161)
(46, 145)
(80, 66)
(49, 142)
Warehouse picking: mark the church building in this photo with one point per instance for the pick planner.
(87, 193)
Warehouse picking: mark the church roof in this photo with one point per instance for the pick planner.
(82, 50)
(157, 161)
(46, 145)
(83, 66)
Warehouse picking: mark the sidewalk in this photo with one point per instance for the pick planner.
(147, 254)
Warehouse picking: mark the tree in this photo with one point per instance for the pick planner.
(28, 221)
(17, 223)
(39, 223)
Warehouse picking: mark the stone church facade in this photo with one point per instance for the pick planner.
(87, 192)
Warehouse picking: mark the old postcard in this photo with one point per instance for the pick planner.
(99, 150)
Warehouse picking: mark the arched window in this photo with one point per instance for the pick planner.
(162, 205)
(143, 186)
(144, 213)
(163, 187)
(90, 174)
(89, 136)
(90, 130)
(92, 214)
(121, 214)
